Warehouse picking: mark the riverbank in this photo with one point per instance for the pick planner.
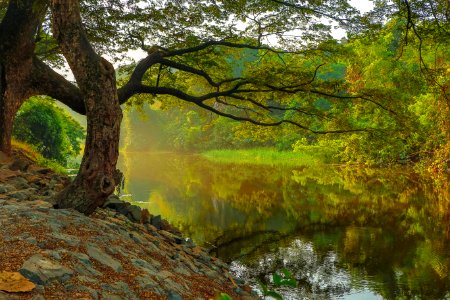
(262, 156)
(119, 252)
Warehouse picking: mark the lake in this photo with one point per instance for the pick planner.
(344, 232)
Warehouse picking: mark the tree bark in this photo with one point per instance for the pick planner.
(95, 76)
(17, 32)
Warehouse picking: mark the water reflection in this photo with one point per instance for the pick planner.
(345, 232)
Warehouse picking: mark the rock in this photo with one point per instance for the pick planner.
(19, 195)
(6, 188)
(134, 212)
(190, 243)
(39, 288)
(82, 288)
(19, 182)
(211, 274)
(40, 204)
(119, 287)
(83, 278)
(181, 270)
(163, 275)
(138, 238)
(172, 237)
(42, 270)
(38, 297)
(114, 250)
(205, 258)
(112, 201)
(31, 240)
(87, 270)
(149, 267)
(146, 282)
(49, 193)
(172, 295)
(53, 254)
(112, 297)
(69, 239)
(156, 221)
(55, 225)
(20, 164)
(103, 258)
(7, 296)
(83, 258)
(239, 291)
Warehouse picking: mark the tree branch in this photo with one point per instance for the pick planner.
(45, 81)
(276, 123)
(170, 53)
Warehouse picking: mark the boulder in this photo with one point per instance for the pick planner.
(42, 270)
(112, 201)
(156, 221)
(134, 213)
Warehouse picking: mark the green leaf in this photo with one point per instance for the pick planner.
(287, 273)
(277, 280)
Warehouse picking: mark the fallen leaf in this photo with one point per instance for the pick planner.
(14, 282)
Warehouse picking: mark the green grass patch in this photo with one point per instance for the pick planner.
(34, 155)
(262, 156)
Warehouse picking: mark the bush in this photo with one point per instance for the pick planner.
(49, 129)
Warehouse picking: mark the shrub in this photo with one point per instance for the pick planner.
(49, 129)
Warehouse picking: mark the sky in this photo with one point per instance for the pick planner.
(363, 6)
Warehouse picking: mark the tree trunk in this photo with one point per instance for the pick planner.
(95, 76)
(17, 32)
(5, 123)
(16, 83)
(7, 113)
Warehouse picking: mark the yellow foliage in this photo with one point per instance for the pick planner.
(26, 149)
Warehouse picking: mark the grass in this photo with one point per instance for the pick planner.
(262, 156)
(34, 155)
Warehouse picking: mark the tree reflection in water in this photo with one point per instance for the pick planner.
(341, 230)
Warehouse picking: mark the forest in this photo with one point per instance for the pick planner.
(260, 128)
(376, 97)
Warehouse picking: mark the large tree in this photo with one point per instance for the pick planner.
(270, 43)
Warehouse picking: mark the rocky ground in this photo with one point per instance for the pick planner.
(119, 252)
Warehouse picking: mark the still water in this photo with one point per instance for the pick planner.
(345, 233)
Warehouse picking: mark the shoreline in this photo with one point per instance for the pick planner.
(108, 255)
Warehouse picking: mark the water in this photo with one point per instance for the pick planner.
(345, 233)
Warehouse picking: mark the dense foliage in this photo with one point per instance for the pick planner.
(403, 108)
(272, 62)
(49, 129)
